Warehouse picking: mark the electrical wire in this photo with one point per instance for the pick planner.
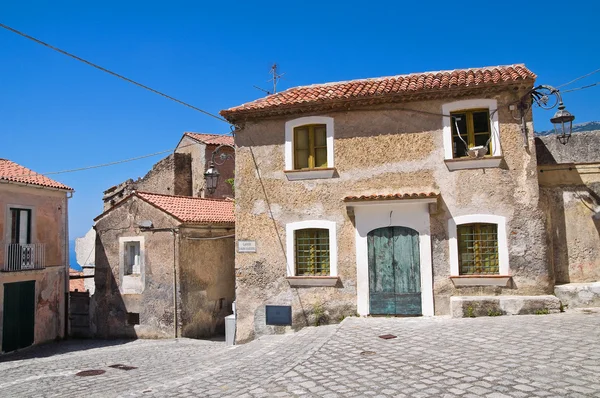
(581, 88)
(579, 78)
(111, 72)
(98, 165)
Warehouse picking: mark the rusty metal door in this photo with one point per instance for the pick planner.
(394, 271)
(79, 314)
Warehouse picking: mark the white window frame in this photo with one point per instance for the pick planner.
(290, 230)
(132, 283)
(290, 125)
(465, 105)
(500, 221)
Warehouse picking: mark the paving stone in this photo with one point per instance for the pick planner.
(521, 356)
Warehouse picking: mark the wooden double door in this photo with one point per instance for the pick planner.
(394, 271)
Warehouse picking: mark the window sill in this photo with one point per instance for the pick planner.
(316, 281)
(309, 174)
(469, 163)
(480, 280)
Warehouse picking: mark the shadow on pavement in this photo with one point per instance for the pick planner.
(59, 347)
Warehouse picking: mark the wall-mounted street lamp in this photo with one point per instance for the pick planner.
(211, 176)
(542, 95)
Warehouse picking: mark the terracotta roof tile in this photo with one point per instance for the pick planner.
(391, 86)
(189, 209)
(393, 196)
(13, 172)
(211, 139)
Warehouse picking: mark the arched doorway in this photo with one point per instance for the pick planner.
(394, 271)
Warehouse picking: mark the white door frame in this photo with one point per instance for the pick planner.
(403, 213)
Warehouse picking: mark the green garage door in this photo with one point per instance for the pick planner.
(394, 271)
(19, 315)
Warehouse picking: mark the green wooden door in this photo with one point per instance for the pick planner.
(18, 321)
(394, 271)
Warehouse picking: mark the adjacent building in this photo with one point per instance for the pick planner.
(405, 195)
(164, 249)
(34, 256)
(569, 177)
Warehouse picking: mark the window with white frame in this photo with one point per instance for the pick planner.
(469, 124)
(131, 264)
(478, 245)
(309, 146)
(132, 260)
(311, 248)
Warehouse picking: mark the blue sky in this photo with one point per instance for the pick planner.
(57, 113)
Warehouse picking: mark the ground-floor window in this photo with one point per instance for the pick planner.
(478, 249)
(312, 252)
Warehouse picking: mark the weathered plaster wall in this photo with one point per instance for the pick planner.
(227, 170)
(380, 150)
(50, 301)
(569, 178)
(156, 304)
(197, 152)
(48, 218)
(207, 278)
(201, 155)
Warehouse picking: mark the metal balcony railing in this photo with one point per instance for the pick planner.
(19, 257)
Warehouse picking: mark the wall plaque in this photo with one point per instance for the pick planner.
(246, 246)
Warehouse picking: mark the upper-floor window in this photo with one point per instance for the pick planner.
(310, 146)
(470, 128)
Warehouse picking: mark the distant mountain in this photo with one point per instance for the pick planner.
(577, 128)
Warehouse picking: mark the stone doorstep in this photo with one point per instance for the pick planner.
(469, 306)
(579, 295)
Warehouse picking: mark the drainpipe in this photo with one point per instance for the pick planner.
(66, 262)
(175, 258)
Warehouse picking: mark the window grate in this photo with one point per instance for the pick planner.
(478, 249)
(312, 252)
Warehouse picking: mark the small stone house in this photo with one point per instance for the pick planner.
(34, 249)
(405, 195)
(164, 267)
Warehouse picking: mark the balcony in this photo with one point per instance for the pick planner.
(19, 257)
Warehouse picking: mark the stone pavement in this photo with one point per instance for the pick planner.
(519, 356)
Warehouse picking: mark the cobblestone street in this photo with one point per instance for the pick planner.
(520, 356)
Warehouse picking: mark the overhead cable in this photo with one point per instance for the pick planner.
(579, 78)
(111, 72)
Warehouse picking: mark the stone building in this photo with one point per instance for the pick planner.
(406, 195)
(182, 172)
(183, 282)
(33, 256)
(164, 267)
(569, 177)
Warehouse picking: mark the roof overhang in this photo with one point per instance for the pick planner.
(390, 199)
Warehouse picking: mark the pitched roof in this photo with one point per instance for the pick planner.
(383, 87)
(210, 139)
(393, 196)
(13, 172)
(190, 209)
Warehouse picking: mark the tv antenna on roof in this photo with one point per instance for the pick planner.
(275, 78)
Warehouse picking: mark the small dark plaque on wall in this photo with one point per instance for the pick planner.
(280, 315)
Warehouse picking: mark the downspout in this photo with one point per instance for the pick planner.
(66, 263)
(175, 258)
